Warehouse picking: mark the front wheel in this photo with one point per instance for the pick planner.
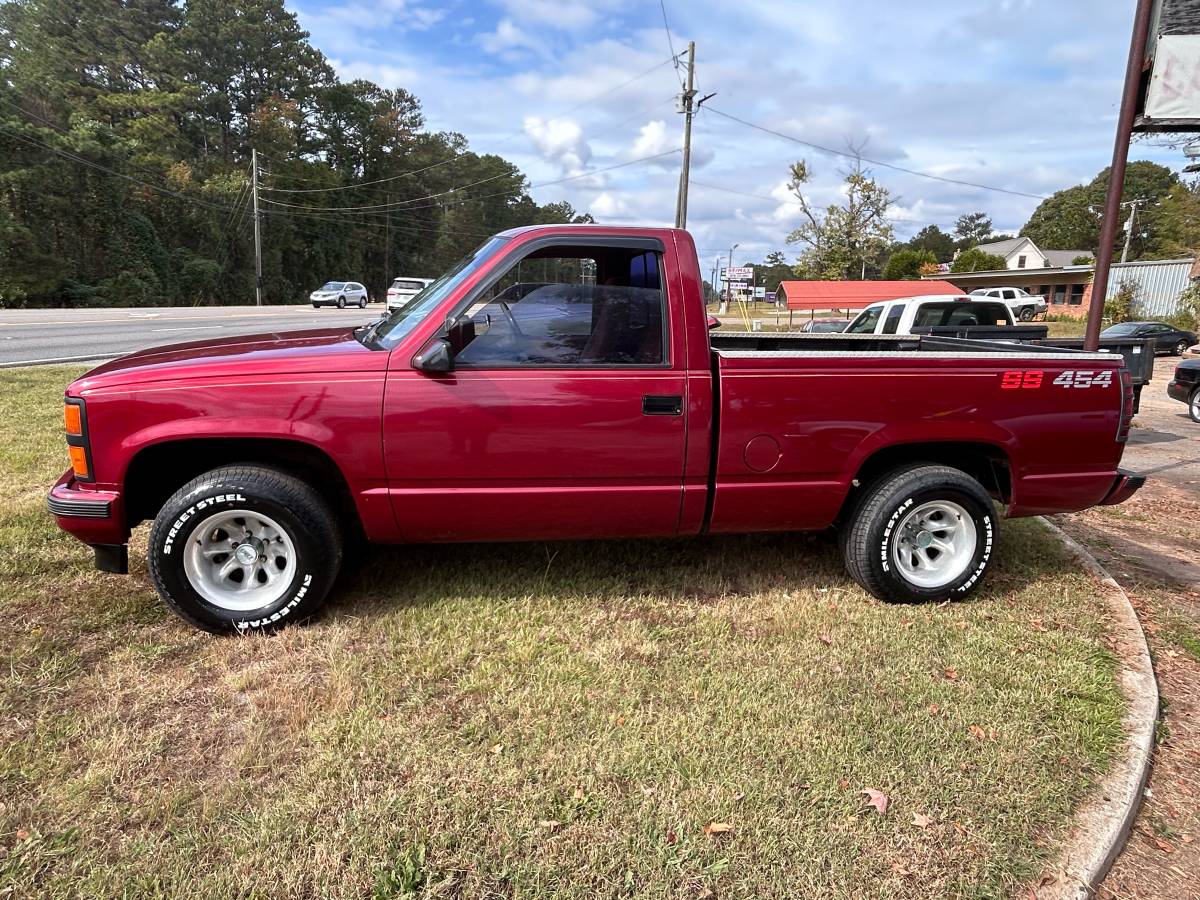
(1194, 405)
(243, 549)
(341, 302)
(1027, 314)
(362, 303)
(1180, 348)
(921, 534)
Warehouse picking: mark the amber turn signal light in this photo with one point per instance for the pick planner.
(79, 463)
(73, 419)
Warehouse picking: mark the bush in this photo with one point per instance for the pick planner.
(908, 264)
(1187, 313)
(975, 260)
(1123, 305)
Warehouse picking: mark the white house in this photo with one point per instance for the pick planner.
(1023, 253)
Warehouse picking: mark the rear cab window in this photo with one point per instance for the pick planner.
(957, 312)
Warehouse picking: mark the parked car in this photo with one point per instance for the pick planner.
(825, 326)
(1192, 352)
(903, 315)
(1025, 306)
(404, 289)
(1167, 339)
(1185, 386)
(550, 386)
(340, 294)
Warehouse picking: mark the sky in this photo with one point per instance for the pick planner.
(1014, 94)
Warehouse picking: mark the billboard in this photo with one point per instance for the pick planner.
(738, 273)
(1170, 89)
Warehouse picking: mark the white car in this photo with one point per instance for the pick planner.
(404, 289)
(903, 315)
(1024, 305)
(340, 294)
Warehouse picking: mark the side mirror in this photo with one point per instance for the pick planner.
(434, 357)
(713, 322)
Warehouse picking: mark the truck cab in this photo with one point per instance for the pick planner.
(905, 315)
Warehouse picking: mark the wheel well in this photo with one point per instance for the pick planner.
(157, 471)
(986, 463)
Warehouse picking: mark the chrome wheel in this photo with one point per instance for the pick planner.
(934, 544)
(1196, 405)
(240, 560)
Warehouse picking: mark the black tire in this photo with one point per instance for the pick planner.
(1194, 405)
(316, 306)
(1027, 314)
(362, 303)
(1180, 348)
(872, 530)
(299, 511)
(341, 302)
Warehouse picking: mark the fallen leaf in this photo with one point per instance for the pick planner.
(843, 783)
(705, 894)
(497, 748)
(550, 824)
(672, 837)
(1037, 625)
(1163, 846)
(900, 870)
(934, 709)
(825, 639)
(22, 834)
(951, 674)
(579, 793)
(739, 797)
(976, 732)
(877, 799)
(921, 820)
(713, 828)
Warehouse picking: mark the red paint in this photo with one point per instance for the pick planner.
(814, 295)
(477, 454)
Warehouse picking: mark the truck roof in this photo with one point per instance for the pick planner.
(593, 228)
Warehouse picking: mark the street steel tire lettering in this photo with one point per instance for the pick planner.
(290, 544)
(925, 533)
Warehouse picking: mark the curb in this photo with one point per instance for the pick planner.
(1103, 823)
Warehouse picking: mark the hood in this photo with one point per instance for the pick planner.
(316, 350)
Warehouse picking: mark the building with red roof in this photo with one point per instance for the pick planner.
(813, 295)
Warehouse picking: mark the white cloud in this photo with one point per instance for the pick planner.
(509, 37)
(560, 141)
(652, 139)
(606, 206)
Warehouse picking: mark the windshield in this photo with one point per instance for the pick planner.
(333, 285)
(1123, 328)
(866, 322)
(401, 321)
(401, 284)
(827, 327)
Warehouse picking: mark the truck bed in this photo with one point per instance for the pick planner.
(789, 343)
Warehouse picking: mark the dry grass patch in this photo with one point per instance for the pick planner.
(538, 720)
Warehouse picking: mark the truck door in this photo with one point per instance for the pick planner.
(563, 415)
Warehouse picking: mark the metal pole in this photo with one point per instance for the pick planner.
(257, 229)
(387, 244)
(681, 204)
(1116, 181)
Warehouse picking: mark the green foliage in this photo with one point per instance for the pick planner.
(842, 240)
(1187, 312)
(906, 264)
(975, 260)
(1123, 305)
(972, 229)
(936, 241)
(1070, 219)
(124, 155)
(1082, 260)
(405, 878)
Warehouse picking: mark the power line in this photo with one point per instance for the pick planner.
(670, 41)
(875, 162)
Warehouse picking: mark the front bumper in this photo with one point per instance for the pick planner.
(1178, 390)
(1126, 485)
(93, 516)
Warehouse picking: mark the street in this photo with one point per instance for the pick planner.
(32, 337)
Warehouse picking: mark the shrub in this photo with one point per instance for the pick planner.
(1122, 306)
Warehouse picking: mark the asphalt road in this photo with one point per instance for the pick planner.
(32, 337)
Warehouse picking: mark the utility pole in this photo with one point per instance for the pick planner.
(257, 229)
(686, 99)
(387, 243)
(1129, 225)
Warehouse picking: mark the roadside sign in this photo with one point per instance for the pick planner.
(771, 295)
(760, 293)
(739, 273)
(738, 285)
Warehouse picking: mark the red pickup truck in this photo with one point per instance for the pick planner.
(564, 382)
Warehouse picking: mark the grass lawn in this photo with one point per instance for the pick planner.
(537, 720)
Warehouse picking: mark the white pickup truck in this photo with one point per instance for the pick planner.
(935, 310)
(1024, 305)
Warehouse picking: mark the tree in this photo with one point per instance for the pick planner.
(936, 241)
(907, 264)
(774, 269)
(972, 229)
(840, 240)
(1070, 219)
(975, 260)
(1176, 224)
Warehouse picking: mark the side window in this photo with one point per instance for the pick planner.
(568, 307)
(866, 321)
(1010, 294)
(892, 322)
(1021, 262)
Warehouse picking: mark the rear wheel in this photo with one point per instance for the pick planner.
(244, 548)
(1027, 314)
(1180, 348)
(921, 534)
(362, 302)
(316, 306)
(1194, 405)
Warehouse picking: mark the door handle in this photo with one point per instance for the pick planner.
(658, 405)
